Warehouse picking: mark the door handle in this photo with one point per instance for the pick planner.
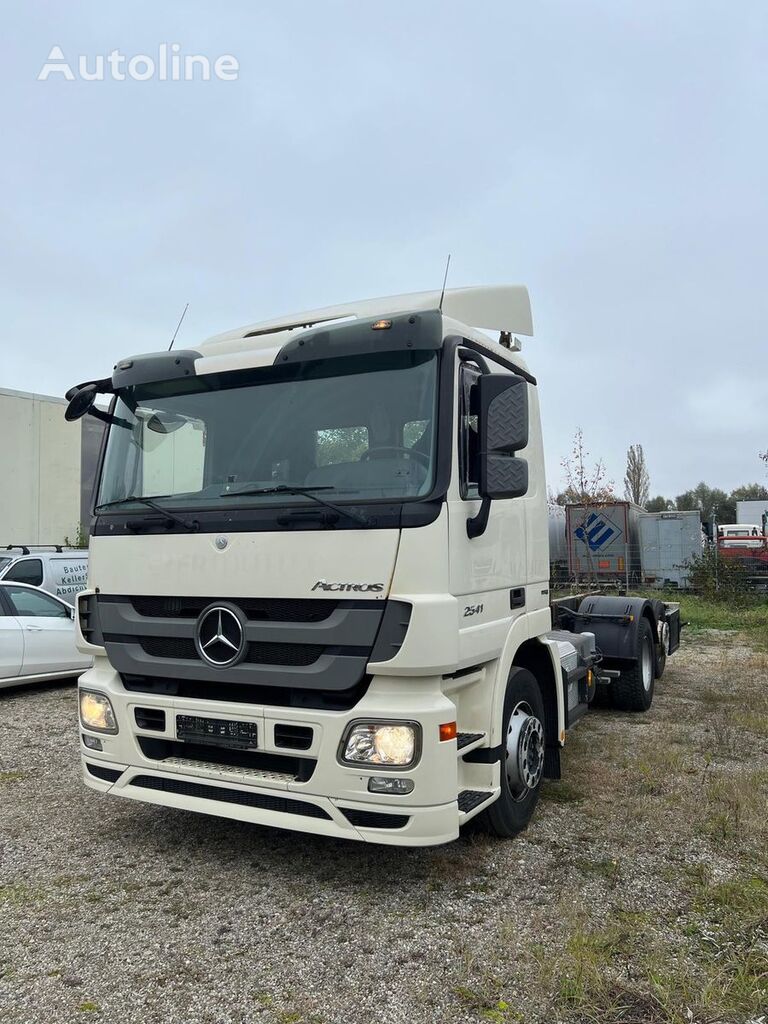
(517, 597)
(34, 629)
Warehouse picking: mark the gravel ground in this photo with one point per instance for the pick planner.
(118, 911)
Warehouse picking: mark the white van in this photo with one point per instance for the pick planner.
(62, 572)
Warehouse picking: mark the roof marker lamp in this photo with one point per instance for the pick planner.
(387, 744)
(96, 712)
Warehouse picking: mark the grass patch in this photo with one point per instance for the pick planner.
(604, 867)
(487, 1004)
(19, 895)
(560, 793)
(700, 613)
(718, 972)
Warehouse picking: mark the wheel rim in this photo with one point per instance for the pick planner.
(646, 665)
(525, 751)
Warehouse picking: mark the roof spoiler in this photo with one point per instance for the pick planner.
(503, 308)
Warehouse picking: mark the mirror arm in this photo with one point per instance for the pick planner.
(476, 526)
(107, 417)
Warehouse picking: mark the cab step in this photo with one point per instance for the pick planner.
(468, 739)
(469, 799)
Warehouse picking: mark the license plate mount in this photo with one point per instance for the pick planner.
(219, 732)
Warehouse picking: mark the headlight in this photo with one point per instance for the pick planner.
(382, 743)
(96, 712)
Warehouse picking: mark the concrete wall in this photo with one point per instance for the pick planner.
(40, 456)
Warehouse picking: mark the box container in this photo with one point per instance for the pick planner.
(604, 541)
(668, 540)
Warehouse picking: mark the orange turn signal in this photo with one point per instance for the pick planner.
(381, 325)
(447, 731)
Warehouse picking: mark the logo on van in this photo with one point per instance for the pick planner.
(370, 588)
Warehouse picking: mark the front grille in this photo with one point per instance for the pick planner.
(105, 774)
(231, 796)
(301, 768)
(291, 644)
(374, 819)
(254, 609)
(184, 649)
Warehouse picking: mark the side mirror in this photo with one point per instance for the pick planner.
(502, 430)
(81, 402)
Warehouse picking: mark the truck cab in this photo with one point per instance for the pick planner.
(318, 589)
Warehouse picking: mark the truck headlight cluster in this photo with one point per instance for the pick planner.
(393, 744)
(96, 712)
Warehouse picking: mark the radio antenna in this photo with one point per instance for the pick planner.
(445, 278)
(178, 325)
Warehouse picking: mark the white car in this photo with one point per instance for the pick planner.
(37, 637)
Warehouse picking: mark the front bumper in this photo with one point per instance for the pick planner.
(334, 801)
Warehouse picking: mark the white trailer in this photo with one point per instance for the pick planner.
(318, 591)
(668, 542)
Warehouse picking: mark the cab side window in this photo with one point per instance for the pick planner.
(468, 438)
(28, 570)
(35, 603)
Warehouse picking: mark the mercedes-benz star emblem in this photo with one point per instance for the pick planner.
(220, 638)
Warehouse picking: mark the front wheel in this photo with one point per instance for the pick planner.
(522, 757)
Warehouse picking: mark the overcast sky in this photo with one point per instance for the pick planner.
(610, 155)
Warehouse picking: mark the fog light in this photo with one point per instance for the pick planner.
(96, 712)
(385, 743)
(393, 786)
(92, 742)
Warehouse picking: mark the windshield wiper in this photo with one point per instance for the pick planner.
(170, 516)
(307, 492)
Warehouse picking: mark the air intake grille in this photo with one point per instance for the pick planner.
(257, 653)
(150, 719)
(105, 774)
(293, 737)
(88, 614)
(231, 796)
(254, 609)
(374, 819)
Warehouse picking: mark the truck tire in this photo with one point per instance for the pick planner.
(522, 757)
(633, 691)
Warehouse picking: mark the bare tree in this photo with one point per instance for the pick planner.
(587, 485)
(637, 483)
(584, 484)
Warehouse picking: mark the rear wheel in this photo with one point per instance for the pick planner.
(522, 757)
(633, 691)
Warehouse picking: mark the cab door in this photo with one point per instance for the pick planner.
(11, 642)
(48, 630)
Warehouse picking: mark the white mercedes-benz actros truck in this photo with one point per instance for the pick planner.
(318, 589)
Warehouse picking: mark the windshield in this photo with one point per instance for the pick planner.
(358, 429)
(4, 562)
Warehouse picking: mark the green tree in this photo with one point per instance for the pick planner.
(710, 501)
(637, 483)
(659, 504)
(750, 492)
